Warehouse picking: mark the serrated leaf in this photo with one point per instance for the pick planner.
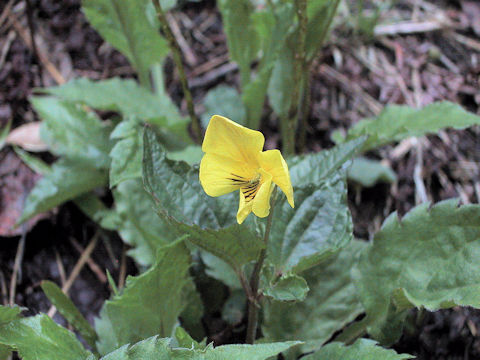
(315, 168)
(288, 287)
(330, 304)
(430, 258)
(126, 157)
(184, 340)
(69, 311)
(72, 131)
(397, 122)
(320, 226)
(40, 338)
(125, 25)
(226, 101)
(236, 244)
(363, 349)
(66, 181)
(367, 172)
(150, 303)
(177, 191)
(242, 39)
(182, 203)
(121, 95)
(155, 348)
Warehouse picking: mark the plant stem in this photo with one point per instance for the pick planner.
(299, 67)
(253, 305)
(177, 58)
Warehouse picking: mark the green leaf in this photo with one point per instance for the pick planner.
(184, 340)
(184, 206)
(253, 97)
(220, 270)
(367, 172)
(319, 14)
(177, 191)
(156, 348)
(315, 168)
(69, 311)
(330, 304)
(192, 154)
(428, 259)
(126, 157)
(319, 226)
(9, 313)
(288, 287)
(363, 349)
(226, 101)
(272, 27)
(150, 303)
(34, 163)
(397, 122)
(67, 180)
(93, 207)
(40, 338)
(236, 244)
(242, 39)
(282, 82)
(125, 25)
(72, 131)
(138, 224)
(121, 95)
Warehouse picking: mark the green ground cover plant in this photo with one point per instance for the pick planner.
(299, 271)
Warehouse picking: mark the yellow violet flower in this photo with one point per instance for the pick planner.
(234, 160)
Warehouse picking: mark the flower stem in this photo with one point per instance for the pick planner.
(177, 58)
(253, 301)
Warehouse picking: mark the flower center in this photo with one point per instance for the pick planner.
(249, 188)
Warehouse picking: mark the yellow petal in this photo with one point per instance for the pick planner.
(244, 208)
(273, 162)
(220, 175)
(261, 202)
(229, 139)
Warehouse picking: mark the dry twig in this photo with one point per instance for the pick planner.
(353, 88)
(76, 269)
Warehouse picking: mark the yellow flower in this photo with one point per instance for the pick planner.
(234, 160)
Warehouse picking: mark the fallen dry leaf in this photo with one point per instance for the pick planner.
(16, 182)
(27, 137)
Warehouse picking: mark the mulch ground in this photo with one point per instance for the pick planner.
(354, 77)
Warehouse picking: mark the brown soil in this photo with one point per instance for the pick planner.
(414, 69)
